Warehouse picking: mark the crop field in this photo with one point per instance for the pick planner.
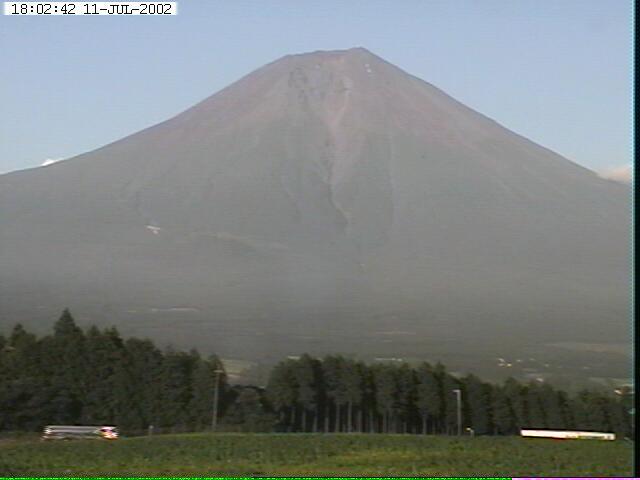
(308, 455)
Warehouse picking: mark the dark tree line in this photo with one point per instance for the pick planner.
(96, 377)
(337, 394)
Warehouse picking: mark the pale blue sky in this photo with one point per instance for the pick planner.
(555, 71)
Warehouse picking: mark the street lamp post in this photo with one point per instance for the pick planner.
(459, 401)
(214, 416)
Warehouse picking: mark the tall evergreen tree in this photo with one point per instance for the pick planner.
(368, 399)
(66, 328)
(22, 353)
(24, 391)
(595, 405)
(282, 392)
(552, 407)
(478, 401)
(64, 362)
(429, 398)
(306, 378)
(537, 416)
(103, 357)
(175, 389)
(406, 397)
(352, 387)
(386, 394)
(517, 396)
(504, 417)
(203, 384)
(332, 374)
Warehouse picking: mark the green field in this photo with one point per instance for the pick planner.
(307, 455)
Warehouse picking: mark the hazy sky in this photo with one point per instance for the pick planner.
(557, 72)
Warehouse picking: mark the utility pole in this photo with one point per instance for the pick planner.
(459, 400)
(214, 416)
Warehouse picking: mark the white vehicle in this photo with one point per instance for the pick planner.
(567, 434)
(68, 432)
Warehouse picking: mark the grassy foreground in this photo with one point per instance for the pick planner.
(308, 455)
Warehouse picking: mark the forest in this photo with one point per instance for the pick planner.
(94, 376)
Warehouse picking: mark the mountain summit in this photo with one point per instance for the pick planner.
(327, 201)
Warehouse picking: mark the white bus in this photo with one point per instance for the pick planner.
(68, 432)
(567, 434)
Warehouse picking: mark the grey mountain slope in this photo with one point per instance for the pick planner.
(324, 194)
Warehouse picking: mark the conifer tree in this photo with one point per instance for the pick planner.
(386, 393)
(352, 386)
(552, 407)
(504, 418)
(282, 392)
(202, 387)
(175, 389)
(429, 399)
(332, 374)
(307, 381)
(478, 401)
(406, 397)
(516, 394)
(537, 417)
(103, 356)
